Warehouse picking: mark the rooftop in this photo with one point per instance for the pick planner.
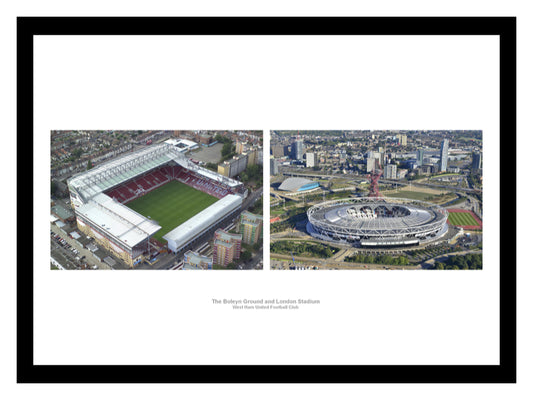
(120, 222)
(293, 184)
(193, 226)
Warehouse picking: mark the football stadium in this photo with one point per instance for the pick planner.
(377, 221)
(155, 196)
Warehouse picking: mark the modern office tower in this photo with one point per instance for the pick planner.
(297, 149)
(193, 259)
(476, 161)
(309, 160)
(420, 156)
(226, 247)
(381, 157)
(376, 161)
(370, 164)
(251, 227)
(402, 140)
(274, 170)
(390, 171)
(443, 164)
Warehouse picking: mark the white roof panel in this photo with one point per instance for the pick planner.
(204, 219)
(293, 184)
(117, 220)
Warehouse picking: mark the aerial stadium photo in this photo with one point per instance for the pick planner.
(165, 200)
(367, 200)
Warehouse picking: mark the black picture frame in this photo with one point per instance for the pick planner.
(504, 27)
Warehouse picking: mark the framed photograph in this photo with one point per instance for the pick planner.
(87, 83)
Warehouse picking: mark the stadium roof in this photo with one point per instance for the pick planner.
(123, 168)
(110, 174)
(215, 176)
(294, 184)
(204, 219)
(416, 217)
(120, 222)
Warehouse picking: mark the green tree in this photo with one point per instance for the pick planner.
(246, 255)
(211, 166)
(226, 149)
(77, 153)
(89, 164)
(53, 187)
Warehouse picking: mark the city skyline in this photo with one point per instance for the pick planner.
(427, 185)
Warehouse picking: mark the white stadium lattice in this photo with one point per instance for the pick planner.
(377, 221)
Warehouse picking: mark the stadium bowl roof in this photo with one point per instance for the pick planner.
(377, 217)
(297, 184)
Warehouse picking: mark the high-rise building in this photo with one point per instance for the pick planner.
(251, 227)
(297, 149)
(402, 140)
(476, 161)
(224, 168)
(370, 164)
(374, 160)
(240, 147)
(252, 156)
(274, 170)
(390, 172)
(226, 247)
(309, 160)
(420, 156)
(233, 167)
(443, 164)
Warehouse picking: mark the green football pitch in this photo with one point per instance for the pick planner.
(462, 219)
(171, 205)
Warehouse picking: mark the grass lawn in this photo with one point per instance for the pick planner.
(171, 205)
(462, 219)
(438, 176)
(277, 212)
